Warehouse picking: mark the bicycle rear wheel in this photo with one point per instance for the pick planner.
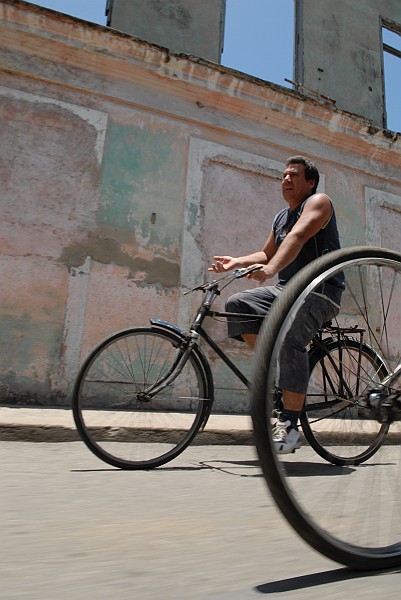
(349, 513)
(118, 421)
(336, 421)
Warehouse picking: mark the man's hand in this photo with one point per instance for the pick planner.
(223, 263)
(265, 272)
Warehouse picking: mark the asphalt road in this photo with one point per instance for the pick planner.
(201, 528)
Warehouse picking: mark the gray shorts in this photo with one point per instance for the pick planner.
(317, 309)
(256, 302)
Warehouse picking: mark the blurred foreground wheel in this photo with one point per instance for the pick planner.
(349, 512)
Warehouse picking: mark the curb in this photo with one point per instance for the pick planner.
(41, 424)
(59, 434)
(57, 425)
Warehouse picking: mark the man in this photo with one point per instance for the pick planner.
(300, 233)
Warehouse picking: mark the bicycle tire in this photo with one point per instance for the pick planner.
(354, 516)
(121, 426)
(331, 409)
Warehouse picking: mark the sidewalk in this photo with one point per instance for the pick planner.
(57, 425)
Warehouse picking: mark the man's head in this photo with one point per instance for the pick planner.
(300, 179)
(310, 169)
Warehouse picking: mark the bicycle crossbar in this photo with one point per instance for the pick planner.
(215, 313)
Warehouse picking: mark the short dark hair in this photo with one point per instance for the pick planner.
(310, 169)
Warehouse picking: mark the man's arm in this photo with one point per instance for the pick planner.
(315, 215)
(262, 257)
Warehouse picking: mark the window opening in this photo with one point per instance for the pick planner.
(259, 39)
(392, 75)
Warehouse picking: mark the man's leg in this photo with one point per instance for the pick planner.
(256, 302)
(286, 429)
(285, 434)
(250, 339)
(294, 368)
(293, 400)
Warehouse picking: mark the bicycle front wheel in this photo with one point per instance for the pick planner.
(341, 373)
(118, 420)
(349, 512)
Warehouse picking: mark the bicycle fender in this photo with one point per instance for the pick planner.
(159, 323)
(166, 325)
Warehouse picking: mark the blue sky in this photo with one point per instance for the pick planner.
(258, 40)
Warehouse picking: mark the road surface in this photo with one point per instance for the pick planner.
(200, 528)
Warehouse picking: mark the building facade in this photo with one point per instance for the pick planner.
(126, 167)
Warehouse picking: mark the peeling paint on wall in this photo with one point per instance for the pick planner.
(143, 268)
(95, 118)
(142, 178)
(31, 323)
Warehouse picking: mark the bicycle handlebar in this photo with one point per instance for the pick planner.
(246, 271)
(236, 274)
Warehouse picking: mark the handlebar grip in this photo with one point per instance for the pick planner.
(246, 271)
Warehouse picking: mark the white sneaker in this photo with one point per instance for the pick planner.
(285, 437)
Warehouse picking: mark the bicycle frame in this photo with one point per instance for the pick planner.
(196, 331)
(189, 340)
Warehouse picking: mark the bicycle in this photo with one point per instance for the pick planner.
(143, 393)
(358, 521)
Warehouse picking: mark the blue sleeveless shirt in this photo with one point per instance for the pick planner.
(325, 240)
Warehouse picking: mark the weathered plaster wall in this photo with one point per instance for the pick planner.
(124, 168)
(339, 52)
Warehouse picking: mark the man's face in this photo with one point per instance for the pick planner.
(294, 185)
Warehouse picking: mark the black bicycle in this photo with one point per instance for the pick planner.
(142, 394)
(349, 511)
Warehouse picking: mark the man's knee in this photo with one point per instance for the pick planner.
(308, 322)
(236, 303)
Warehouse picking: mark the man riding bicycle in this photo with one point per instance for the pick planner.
(300, 233)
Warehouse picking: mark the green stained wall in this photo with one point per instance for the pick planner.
(138, 223)
(30, 358)
(141, 198)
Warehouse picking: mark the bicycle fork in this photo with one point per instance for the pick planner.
(175, 369)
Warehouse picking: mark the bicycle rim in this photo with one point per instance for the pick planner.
(120, 424)
(350, 513)
(336, 421)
